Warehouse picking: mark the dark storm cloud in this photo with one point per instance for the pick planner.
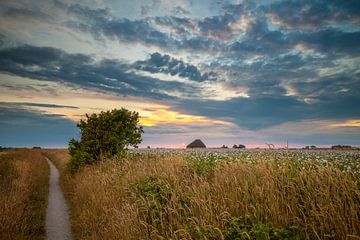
(20, 127)
(158, 63)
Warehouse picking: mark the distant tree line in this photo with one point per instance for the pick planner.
(239, 146)
(343, 147)
(310, 147)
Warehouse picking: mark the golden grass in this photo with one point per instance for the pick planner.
(109, 200)
(24, 176)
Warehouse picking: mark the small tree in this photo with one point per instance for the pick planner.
(241, 146)
(104, 135)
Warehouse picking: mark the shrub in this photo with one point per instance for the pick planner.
(203, 232)
(159, 201)
(104, 135)
(154, 188)
(242, 228)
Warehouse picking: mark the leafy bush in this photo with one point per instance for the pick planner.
(158, 202)
(241, 228)
(155, 189)
(203, 232)
(104, 135)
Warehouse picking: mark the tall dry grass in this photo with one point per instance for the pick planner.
(24, 178)
(160, 198)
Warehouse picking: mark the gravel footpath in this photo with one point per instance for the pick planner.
(57, 213)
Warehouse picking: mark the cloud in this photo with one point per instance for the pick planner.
(330, 39)
(2, 39)
(42, 105)
(158, 63)
(270, 101)
(216, 27)
(100, 22)
(169, 32)
(164, 116)
(24, 13)
(20, 127)
(256, 65)
(306, 14)
(114, 76)
(347, 123)
(265, 111)
(52, 64)
(180, 11)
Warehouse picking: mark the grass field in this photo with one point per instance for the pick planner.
(24, 178)
(157, 194)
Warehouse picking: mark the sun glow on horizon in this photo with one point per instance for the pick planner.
(72, 103)
(164, 116)
(347, 123)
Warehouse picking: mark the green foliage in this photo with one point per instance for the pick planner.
(201, 232)
(241, 228)
(201, 165)
(104, 135)
(157, 200)
(238, 228)
(155, 189)
(260, 231)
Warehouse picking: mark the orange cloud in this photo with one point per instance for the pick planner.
(164, 116)
(242, 24)
(347, 123)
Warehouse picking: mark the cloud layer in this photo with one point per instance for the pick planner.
(255, 65)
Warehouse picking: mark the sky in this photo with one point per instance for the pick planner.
(227, 72)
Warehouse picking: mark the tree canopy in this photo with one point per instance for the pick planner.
(104, 135)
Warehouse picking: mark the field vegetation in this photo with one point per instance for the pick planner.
(24, 176)
(208, 194)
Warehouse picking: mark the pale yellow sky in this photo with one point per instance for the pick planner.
(19, 90)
